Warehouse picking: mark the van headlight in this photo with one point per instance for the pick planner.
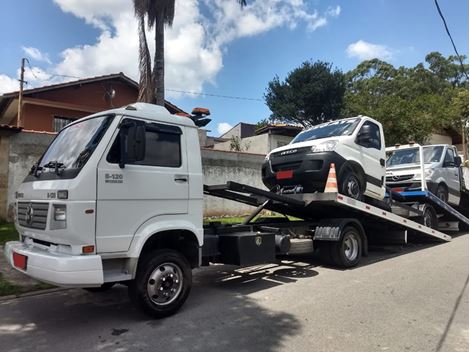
(60, 212)
(428, 173)
(327, 146)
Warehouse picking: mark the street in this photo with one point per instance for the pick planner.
(399, 299)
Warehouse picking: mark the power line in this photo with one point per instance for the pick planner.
(450, 36)
(50, 77)
(167, 89)
(213, 95)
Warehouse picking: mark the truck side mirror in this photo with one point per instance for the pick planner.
(132, 136)
(457, 161)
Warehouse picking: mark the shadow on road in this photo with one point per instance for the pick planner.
(75, 320)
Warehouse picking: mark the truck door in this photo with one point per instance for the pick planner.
(372, 156)
(156, 186)
(452, 177)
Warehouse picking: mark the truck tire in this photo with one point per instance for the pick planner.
(347, 252)
(442, 193)
(429, 217)
(162, 283)
(103, 288)
(350, 185)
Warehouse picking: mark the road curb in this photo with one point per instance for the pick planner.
(32, 293)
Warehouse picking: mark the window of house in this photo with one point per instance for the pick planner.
(60, 122)
(162, 147)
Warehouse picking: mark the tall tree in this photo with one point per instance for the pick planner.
(159, 13)
(410, 102)
(311, 94)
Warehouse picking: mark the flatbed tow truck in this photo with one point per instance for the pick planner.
(124, 212)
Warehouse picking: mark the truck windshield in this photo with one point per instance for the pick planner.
(328, 129)
(431, 154)
(73, 146)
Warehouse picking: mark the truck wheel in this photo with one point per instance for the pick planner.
(442, 193)
(429, 217)
(350, 185)
(347, 252)
(162, 283)
(105, 287)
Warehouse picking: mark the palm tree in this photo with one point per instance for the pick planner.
(159, 13)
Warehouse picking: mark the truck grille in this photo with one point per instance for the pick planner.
(33, 215)
(287, 166)
(399, 178)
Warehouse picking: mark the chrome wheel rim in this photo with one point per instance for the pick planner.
(165, 284)
(353, 188)
(351, 247)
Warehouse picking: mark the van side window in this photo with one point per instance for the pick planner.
(375, 141)
(449, 158)
(163, 146)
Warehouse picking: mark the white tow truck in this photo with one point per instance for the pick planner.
(118, 198)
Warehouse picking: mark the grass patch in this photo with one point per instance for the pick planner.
(7, 288)
(7, 233)
(239, 219)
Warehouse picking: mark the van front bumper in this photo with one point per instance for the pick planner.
(57, 268)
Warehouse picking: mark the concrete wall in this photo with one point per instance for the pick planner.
(4, 159)
(25, 150)
(18, 152)
(261, 144)
(222, 166)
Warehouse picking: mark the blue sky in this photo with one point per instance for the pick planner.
(215, 48)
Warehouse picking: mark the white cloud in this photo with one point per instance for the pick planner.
(194, 46)
(334, 11)
(8, 84)
(36, 54)
(223, 127)
(366, 51)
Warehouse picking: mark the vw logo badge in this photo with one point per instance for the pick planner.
(29, 213)
(258, 240)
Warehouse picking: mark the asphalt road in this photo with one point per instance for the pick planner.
(412, 299)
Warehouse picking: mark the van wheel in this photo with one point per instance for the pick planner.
(429, 217)
(162, 283)
(350, 185)
(347, 252)
(442, 193)
(103, 288)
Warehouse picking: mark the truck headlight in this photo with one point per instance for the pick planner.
(60, 212)
(327, 146)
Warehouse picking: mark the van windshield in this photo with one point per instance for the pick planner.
(336, 128)
(431, 154)
(72, 147)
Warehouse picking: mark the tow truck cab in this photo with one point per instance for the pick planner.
(355, 145)
(108, 187)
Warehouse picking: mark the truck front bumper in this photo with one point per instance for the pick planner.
(57, 268)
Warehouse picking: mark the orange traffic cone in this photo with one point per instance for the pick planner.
(331, 184)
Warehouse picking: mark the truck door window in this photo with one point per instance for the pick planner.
(449, 158)
(375, 132)
(163, 146)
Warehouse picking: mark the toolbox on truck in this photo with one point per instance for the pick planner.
(247, 248)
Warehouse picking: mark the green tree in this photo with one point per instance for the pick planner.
(159, 13)
(311, 94)
(410, 102)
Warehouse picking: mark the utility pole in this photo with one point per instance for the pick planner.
(19, 122)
